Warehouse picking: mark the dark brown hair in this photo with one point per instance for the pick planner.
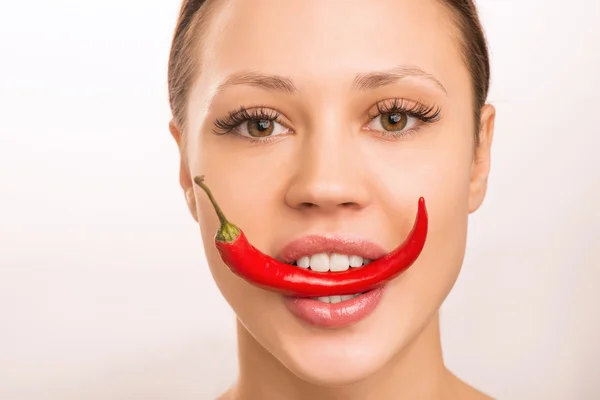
(194, 14)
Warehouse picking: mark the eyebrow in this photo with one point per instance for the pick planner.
(268, 82)
(362, 82)
(376, 79)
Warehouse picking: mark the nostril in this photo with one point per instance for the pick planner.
(309, 205)
(350, 204)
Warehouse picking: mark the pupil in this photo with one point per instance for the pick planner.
(394, 118)
(263, 124)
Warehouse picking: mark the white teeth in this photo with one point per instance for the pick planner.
(336, 299)
(303, 262)
(323, 262)
(355, 261)
(319, 262)
(338, 262)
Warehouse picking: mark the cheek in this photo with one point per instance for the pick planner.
(439, 170)
(437, 167)
(444, 177)
(235, 290)
(247, 206)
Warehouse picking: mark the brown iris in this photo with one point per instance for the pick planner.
(393, 121)
(260, 128)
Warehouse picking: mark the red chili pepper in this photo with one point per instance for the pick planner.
(251, 264)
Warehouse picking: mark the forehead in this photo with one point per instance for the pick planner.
(323, 41)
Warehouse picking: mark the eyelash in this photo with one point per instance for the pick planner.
(241, 115)
(425, 114)
(420, 111)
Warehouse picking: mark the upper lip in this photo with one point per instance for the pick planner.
(315, 244)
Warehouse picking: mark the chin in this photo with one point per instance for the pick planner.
(334, 357)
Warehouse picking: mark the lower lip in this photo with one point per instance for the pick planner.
(336, 315)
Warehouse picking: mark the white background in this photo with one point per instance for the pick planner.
(104, 291)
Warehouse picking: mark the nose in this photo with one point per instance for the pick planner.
(329, 176)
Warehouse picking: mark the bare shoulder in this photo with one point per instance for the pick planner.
(228, 395)
(464, 391)
(473, 394)
(225, 396)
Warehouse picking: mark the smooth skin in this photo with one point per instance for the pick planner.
(330, 170)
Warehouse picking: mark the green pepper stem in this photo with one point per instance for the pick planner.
(199, 180)
(227, 232)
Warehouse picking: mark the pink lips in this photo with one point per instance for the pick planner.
(336, 315)
(315, 244)
(340, 314)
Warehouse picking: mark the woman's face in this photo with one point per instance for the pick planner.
(375, 111)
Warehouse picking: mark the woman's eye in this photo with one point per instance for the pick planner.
(392, 122)
(260, 128)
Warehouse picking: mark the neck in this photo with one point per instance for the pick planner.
(418, 372)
